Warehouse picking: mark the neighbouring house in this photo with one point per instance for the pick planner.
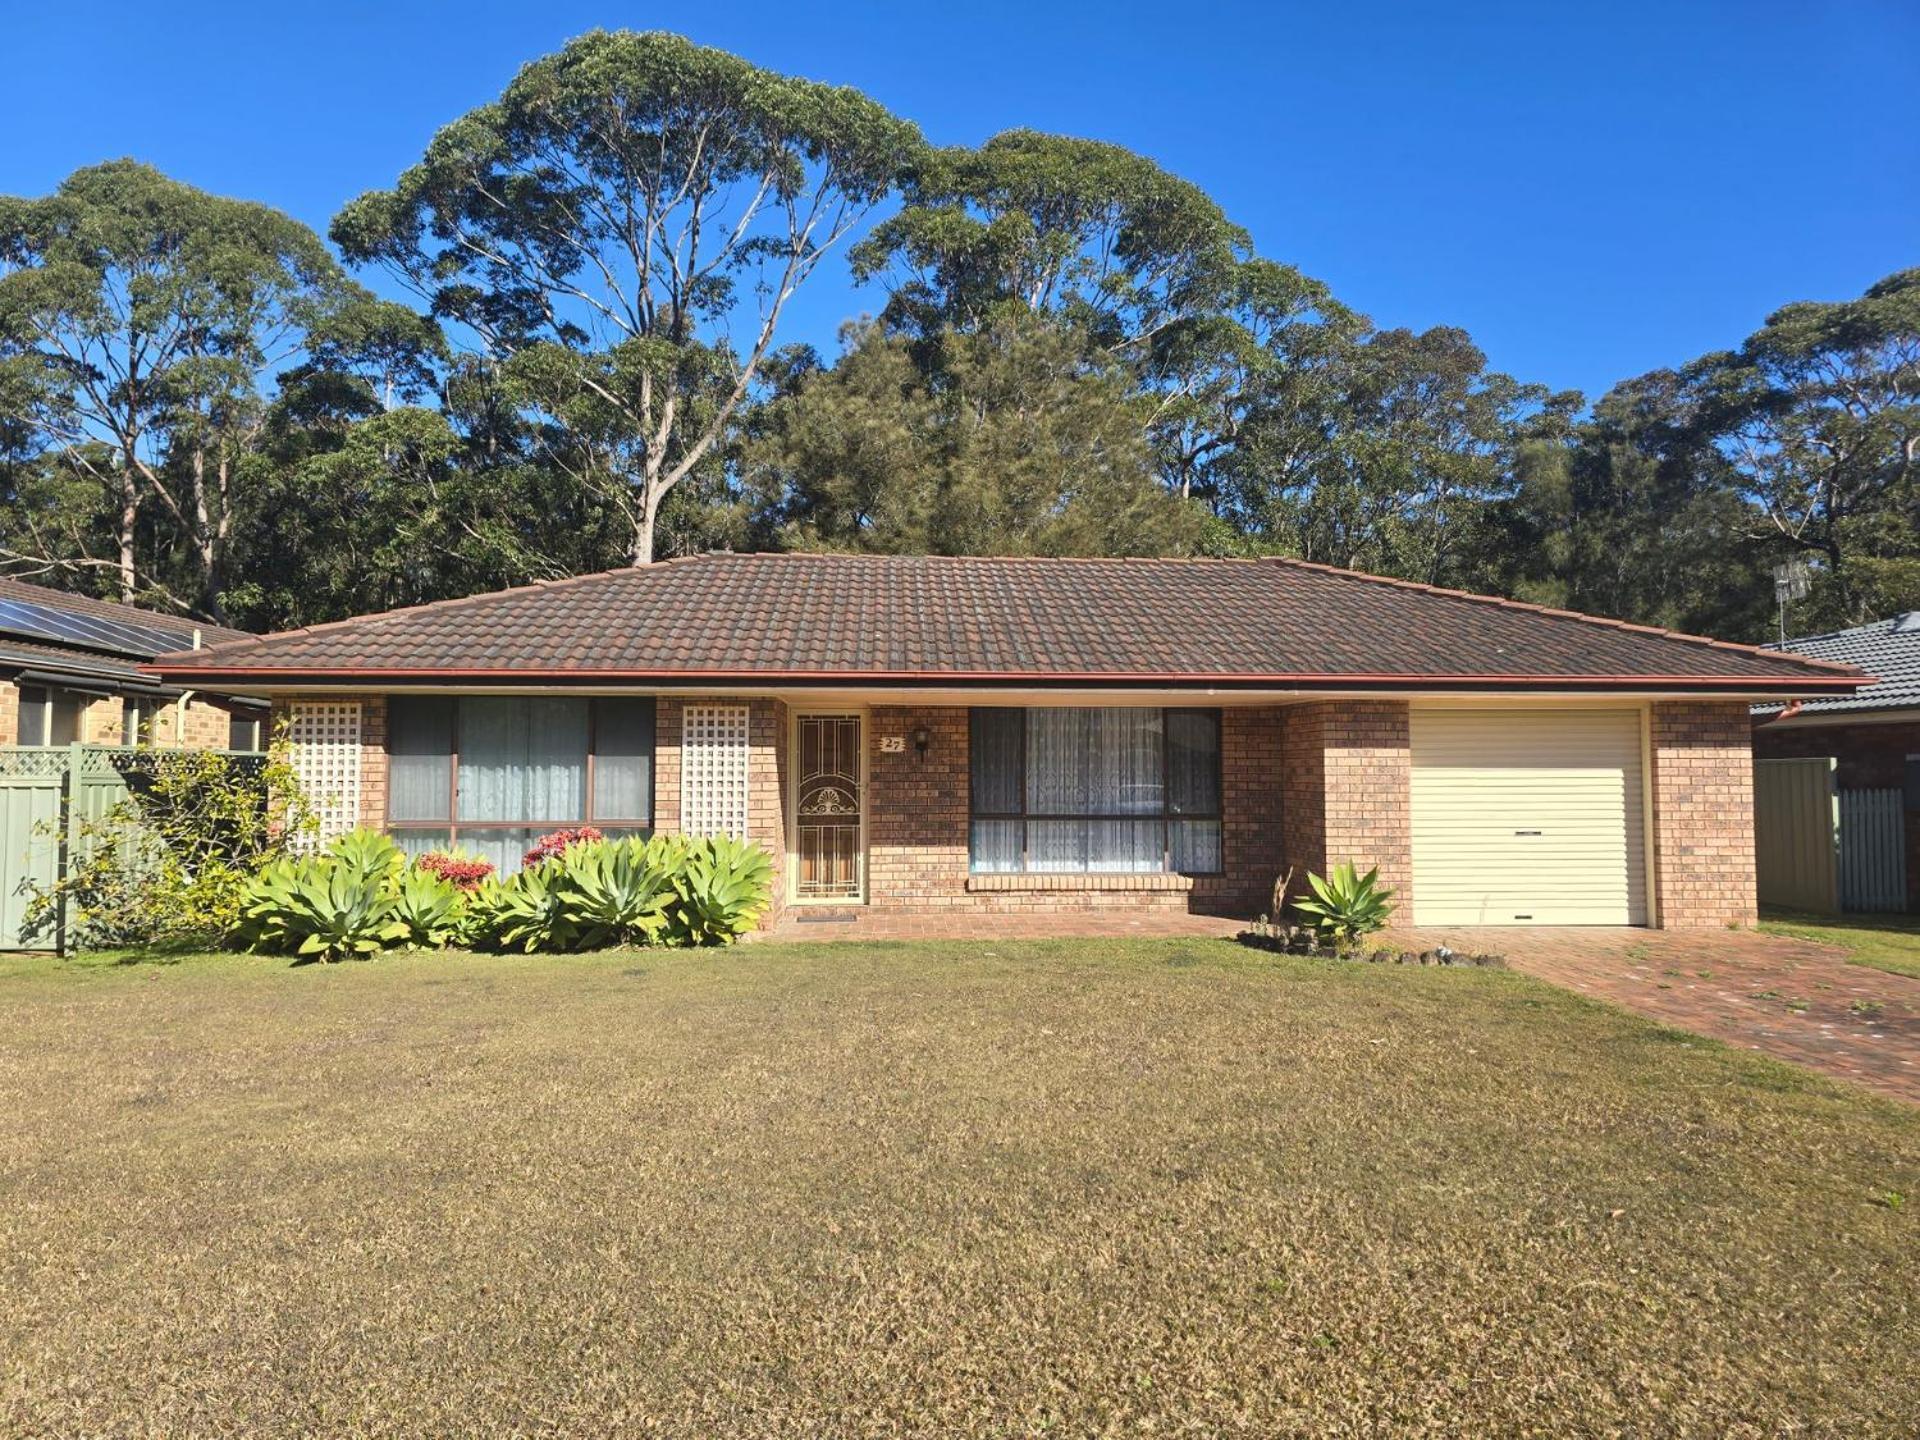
(70, 671)
(1016, 734)
(1871, 741)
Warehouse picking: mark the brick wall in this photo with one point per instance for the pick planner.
(766, 776)
(1252, 803)
(1703, 813)
(204, 727)
(917, 819)
(917, 810)
(1347, 770)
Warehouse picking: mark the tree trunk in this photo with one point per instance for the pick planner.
(643, 532)
(129, 517)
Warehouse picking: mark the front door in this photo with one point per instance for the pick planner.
(829, 809)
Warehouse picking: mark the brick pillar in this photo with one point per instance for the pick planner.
(766, 776)
(917, 807)
(1347, 771)
(767, 791)
(1703, 814)
(1252, 828)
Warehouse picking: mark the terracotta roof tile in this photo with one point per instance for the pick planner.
(767, 617)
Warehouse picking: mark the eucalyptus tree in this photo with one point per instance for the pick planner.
(603, 226)
(143, 324)
(1049, 225)
(1818, 414)
(1020, 445)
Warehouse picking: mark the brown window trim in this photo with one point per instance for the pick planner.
(453, 825)
(1163, 815)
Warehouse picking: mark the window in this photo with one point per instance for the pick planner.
(493, 773)
(137, 716)
(246, 732)
(49, 717)
(1095, 791)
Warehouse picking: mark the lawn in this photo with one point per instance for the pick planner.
(1885, 942)
(957, 1189)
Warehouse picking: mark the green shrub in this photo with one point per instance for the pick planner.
(169, 865)
(1346, 905)
(320, 908)
(616, 892)
(431, 907)
(525, 912)
(360, 896)
(724, 886)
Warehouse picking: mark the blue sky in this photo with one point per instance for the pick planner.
(1591, 190)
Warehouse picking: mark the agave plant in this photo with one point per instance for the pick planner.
(527, 912)
(320, 908)
(430, 907)
(724, 886)
(1346, 905)
(368, 854)
(616, 892)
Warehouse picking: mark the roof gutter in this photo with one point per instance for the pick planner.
(1020, 679)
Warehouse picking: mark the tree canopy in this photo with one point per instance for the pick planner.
(1072, 351)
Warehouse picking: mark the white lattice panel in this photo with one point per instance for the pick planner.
(713, 770)
(324, 737)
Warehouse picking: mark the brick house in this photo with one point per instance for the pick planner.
(70, 671)
(1018, 734)
(1872, 735)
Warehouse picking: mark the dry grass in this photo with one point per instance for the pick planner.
(1000, 1189)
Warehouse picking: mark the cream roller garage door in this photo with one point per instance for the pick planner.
(1528, 817)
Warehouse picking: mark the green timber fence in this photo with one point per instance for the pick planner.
(48, 794)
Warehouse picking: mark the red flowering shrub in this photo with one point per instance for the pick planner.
(464, 872)
(548, 846)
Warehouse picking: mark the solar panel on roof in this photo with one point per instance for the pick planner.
(64, 627)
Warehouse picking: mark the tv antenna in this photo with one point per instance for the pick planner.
(1791, 581)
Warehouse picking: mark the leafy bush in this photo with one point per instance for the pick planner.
(360, 896)
(170, 864)
(431, 907)
(555, 844)
(724, 886)
(524, 912)
(617, 892)
(1346, 905)
(335, 906)
(595, 893)
(463, 872)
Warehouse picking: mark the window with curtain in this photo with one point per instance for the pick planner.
(493, 773)
(1095, 791)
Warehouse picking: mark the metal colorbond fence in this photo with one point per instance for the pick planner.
(47, 795)
(1873, 850)
(1796, 834)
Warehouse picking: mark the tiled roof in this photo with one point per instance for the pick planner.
(906, 619)
(1889, 649)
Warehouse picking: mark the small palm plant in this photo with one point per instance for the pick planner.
(1346, 905)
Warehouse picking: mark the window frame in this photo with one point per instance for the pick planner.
(144, 712)
(49, 696)
(257, 733)
(453, 825)
(1164, 815)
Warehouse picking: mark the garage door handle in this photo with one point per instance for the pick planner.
(1526, 832)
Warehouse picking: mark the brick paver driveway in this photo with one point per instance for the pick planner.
(1791, 998)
